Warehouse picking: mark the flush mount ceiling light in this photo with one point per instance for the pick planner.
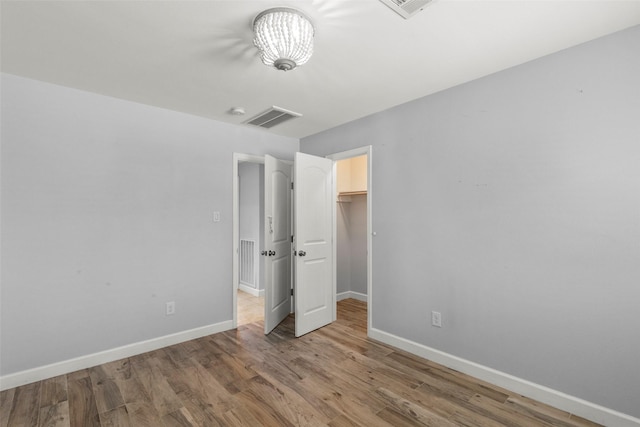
(284, 37)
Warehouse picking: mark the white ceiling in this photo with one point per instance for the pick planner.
(198, 57)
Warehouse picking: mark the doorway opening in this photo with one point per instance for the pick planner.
(360, 255)
(353, 227)
(248, 229)
(250, 292)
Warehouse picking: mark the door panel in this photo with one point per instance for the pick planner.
(277, 230)
(315, 302)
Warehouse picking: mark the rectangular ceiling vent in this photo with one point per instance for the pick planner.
(273, 116)
(406, 8)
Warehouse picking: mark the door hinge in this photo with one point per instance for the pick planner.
(291, 239)
(292, 185)
(292, 291)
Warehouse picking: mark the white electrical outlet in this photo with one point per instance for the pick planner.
(171, 308)
(436, 319)
(216, 216)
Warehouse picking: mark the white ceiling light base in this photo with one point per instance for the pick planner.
(284, 64)
(284, 37)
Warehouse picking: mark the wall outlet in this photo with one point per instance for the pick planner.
(216, 216)
(436, 319)
(171, 308)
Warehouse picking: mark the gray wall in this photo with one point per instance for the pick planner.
(351, 230)
(343, 248)
(512, 205)
(107, 211)
(358, 243)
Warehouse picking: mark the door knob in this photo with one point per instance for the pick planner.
(301, 253)
(272, 253)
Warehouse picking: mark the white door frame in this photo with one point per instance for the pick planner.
(366, 150)
(237, 159)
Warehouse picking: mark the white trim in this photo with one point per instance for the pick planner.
(368, 151)
(557, 399)
(252, 291)
(83, 362)
(351, 294)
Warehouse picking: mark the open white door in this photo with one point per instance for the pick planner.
(277, 242)
(314, 293)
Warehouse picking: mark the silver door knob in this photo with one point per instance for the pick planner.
(301, 253)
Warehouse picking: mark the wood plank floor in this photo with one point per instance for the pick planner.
(250, 308)
(335, 376)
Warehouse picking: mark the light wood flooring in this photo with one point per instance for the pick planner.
(335, 376)
(250, 308)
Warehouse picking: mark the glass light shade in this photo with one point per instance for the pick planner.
(284, 37)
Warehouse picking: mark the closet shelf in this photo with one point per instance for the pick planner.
(345, 196)
(352, 193)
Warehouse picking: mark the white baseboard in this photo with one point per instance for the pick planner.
(557, 399)
(252, 291)
(83, 362)
(351, 294)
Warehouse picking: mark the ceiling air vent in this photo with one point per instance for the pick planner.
(406, 8)
(273, 116)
